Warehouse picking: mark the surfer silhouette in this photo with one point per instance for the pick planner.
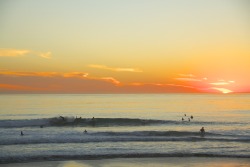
(85, 131)
(182, 119)
(202, 130)
(62, 118)
(191, 117)
(22, 133)
(93, 121)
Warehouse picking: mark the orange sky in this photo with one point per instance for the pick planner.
(138, 46)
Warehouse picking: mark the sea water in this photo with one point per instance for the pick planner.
(123, 125)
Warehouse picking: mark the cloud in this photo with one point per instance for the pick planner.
(189, 79)
(223, 90)
(184, 86)
(219, 83)
(111, 79)
(161, 85)
(40, 74)
(222, 82)
(22, 52)
(13, 52)
(55, 82)
(114, 69)
(75, 74)
(82, 82)
(81, 75)
(45, 55)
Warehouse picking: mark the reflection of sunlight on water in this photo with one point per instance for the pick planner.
(73, 164)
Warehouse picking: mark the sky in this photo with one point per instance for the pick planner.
(124, 46)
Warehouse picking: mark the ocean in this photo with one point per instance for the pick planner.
(123, 125)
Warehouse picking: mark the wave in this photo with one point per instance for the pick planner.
(136, 136)
(99, 122)
(154, 133)
(61, 157)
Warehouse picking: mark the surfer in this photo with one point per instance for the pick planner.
(182, 119)
(191, 117)
(202, 130)
(77, 119)
(22, 133)
(93, 121)
(85, 131)
(62, 118)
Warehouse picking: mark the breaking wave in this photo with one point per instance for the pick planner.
(99, 122)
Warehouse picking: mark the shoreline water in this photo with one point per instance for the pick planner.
(136, 162)
(37, 159)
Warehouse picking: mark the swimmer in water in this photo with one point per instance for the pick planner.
(202, 130)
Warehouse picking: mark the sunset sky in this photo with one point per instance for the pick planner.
(124, 46)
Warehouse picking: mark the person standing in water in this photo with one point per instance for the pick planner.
(22, 133)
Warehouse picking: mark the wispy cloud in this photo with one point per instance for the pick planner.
(189, 79)
(184, 86)
(161, 85)
(46, 55)
(111, 79)
(46, 74)
(40, 74)
(222, 82)
(118, 69)
(203, 84)
(23, 52)
(75, 74)
(222, 90)
(219, 83)
(13, 52)
(81, 75)
(82, 81)
(56, 82)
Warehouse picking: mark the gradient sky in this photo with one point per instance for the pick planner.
(129, 46)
